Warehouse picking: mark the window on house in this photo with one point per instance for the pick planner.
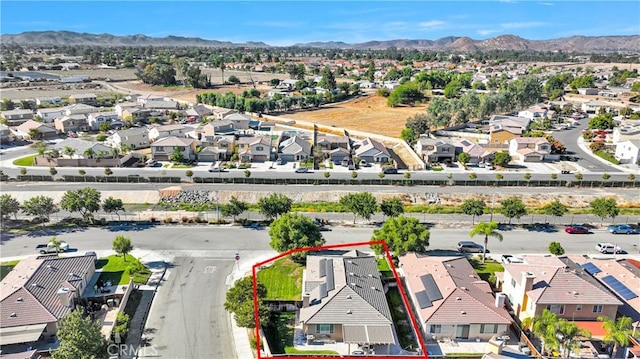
(513, 282)
(578, 307)
(159, 148)
(259, 148)
(556, 308)
(488, 328)
(435, 328)
(324, 328)
(597, 308)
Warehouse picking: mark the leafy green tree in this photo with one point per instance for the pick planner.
(583, 82)
(392, 207)
(544, 327)
(555, 209)
(569, 336)
(631, 177)
(233, 80)
(501, 159)
(556, 249)
(513, 207)
(472, 176)
(464, 158)
(601, 122)
(234, 208)
(40, 207)
(618, 331)
(486, 229)
(122, 245)
(85, 200)
(188, 173)
(247, 173)
(328, 80)
(108, 171)
(113, 205)
(473, 207)
(8, 206)
(240, 303)
(579, 176)
(402, 235)
(7, 105)
(104, 126)
(606, 176)
(354, 174)
(178, 156)
(409, 136)
(292, 231)
(80, 338)
(604, 207)
(274, 205)
(361, 204)
(407, 93)
(527, 176)
(53, 171)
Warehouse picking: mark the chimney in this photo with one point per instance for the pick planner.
(65, 296)
(500, 299)
(527, 281)
(305, 300)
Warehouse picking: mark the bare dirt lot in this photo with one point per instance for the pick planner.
(369, 114)
(182, 93)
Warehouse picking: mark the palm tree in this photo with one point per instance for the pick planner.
(115, 152)
(544, 326)
(569, 336)
(488, 230)
(124, 148)
(89, 152)
(68, 151)
(618, 331)
(55, 243)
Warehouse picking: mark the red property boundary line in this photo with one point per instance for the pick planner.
(395, 274)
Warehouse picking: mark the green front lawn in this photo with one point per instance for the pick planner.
(6, 267)
(25, 161)
(283, 280)
(383, 267)
(116, 270)
(487, 269)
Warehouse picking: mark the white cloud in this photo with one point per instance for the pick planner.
(432, 24)
(508, 1)
(521, 25)
(486, 32)
(546, 3)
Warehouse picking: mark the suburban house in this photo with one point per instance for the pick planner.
(137, 114)
(476, 152)
(44, 130)
(294, 149)
(217, 128)
(216, 148)
(71, 123)
(76, 148)
(143, 100)
(529, 149)
(627, 130)
(557, 284)
(41, 101)
(220, 113)
(343, 300)
(16, 117)
(134, 138)
(199, 111)
(587, 91)
(121, 107)
(338, 155)
(535, 113)
(50, 114)
(38, 293)
(435, 150)
(163, 149)
(372, 151)
(5, 132)
(80, 109)
(161, 105)
(253, 149)
(85, 98)
(329, 143)
(450, 299)
(510, 121)
(95, 119)
(504, 131)
(628, 152)
(239, 121)
(594, 106)
(158, 132)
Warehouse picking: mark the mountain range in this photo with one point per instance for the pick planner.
(453, 43)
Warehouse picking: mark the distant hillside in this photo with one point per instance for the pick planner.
(75, 38)
(503, 42)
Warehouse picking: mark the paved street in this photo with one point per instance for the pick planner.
(188, 319)
(224, 242)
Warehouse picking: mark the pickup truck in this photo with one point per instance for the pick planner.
(50, 248)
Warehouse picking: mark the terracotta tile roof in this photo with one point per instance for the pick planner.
(464, 294)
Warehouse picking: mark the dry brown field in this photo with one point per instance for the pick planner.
(368, 114)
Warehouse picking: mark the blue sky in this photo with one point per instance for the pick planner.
(289, 22)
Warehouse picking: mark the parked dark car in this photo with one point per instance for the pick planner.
(390, 171)
(577, 230)
(470, 247)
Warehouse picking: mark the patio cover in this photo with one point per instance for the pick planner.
(368, 334)
(21, 334)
